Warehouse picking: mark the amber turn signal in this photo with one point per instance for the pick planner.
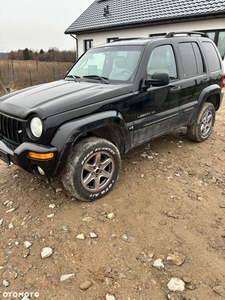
(41, 155)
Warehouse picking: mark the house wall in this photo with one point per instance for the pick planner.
(101, 37)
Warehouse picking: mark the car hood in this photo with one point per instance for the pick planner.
(59, 96)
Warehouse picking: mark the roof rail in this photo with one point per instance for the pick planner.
(191, 33)
(128, 39)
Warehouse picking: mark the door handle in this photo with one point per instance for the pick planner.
(175, 89)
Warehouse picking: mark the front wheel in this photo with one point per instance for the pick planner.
(92, 169)
(201, 129)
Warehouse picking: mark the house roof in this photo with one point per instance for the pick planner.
(112, 14)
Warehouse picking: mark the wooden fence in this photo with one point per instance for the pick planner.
(15, 75)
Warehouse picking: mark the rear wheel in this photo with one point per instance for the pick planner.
(92, 169)
(201, 129)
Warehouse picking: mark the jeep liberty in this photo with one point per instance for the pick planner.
(115, 97)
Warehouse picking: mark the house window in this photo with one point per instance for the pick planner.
(218, 36)
(109, 40)
(211, 35)
(221, 43)
(88, 44)
(155, 35)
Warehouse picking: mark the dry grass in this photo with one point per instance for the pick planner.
(20, 74)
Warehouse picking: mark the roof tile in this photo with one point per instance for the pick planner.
(127, 12)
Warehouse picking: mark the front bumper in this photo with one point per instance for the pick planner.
(19, 156)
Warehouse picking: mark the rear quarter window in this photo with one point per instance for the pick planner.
(212, 56)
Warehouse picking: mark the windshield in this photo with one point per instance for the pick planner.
(110, 63)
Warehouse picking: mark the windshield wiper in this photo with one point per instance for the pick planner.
(97, 77)
(74, 77)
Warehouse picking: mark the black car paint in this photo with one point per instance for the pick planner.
(59, 97)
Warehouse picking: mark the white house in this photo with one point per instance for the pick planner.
(106, 20)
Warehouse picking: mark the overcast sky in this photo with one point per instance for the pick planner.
(38, 24)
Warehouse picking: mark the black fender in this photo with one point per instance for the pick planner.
(205, 95)
(68, 133)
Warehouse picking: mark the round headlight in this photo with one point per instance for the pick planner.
(36, 127)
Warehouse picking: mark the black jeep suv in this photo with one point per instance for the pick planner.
(115, 97)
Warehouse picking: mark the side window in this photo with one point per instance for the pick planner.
(212, 57)
(188, 59)
(88, 44)
(162, 60)
(199, 59)
(192, 59)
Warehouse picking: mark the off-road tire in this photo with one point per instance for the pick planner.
(92, 169)
(201, 129)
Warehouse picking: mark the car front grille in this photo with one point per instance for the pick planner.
(11, 129)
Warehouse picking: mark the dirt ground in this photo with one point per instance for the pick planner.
(167, 207)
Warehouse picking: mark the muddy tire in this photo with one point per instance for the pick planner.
(92, 169)
(201, 129)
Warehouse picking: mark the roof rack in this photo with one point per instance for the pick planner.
(191, 33)
(128, 39)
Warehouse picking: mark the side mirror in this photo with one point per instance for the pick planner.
(158, 79)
